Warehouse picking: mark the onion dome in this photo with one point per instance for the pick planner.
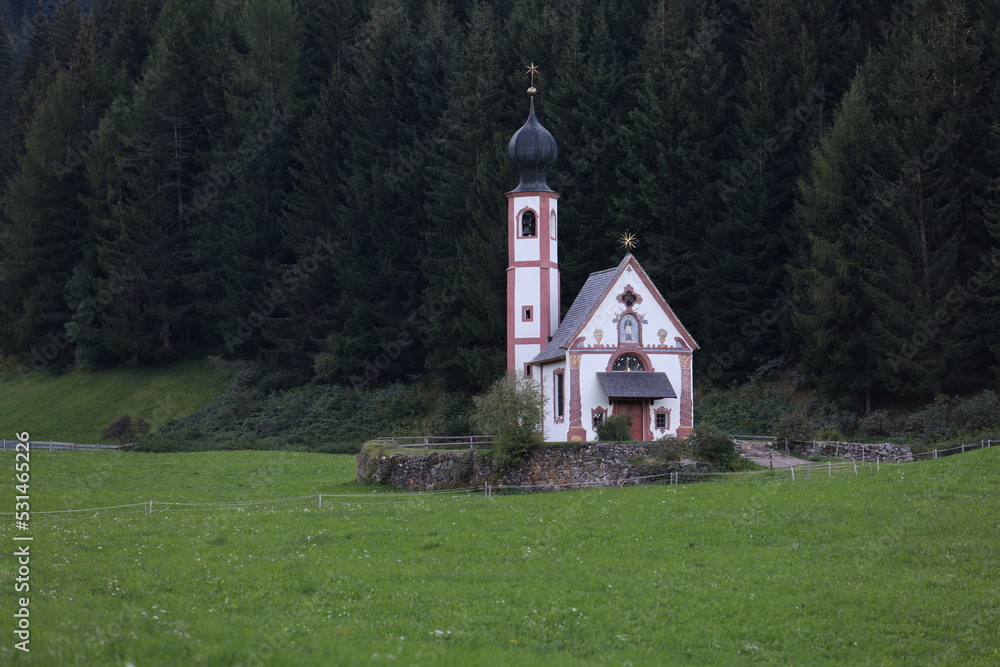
(533, 149)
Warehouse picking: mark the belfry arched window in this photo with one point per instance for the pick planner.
(528, 223)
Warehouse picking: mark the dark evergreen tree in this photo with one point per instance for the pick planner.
(462, 318)
(831, 310)
(44, 226)
(670, 181)
(238, 203)
(143, 175)
(922, 183)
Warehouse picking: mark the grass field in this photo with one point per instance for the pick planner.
(76, 407)
(897, 567)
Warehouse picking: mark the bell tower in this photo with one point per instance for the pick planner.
(532, 243)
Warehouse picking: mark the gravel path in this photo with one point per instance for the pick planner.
(761, 454)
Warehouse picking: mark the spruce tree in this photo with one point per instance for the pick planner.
(239, 201)
(831, 310)
(44, 225)
(143, 176)
(462, 317)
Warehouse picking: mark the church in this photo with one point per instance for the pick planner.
(620, 350)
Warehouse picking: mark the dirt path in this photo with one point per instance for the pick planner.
(761, 454)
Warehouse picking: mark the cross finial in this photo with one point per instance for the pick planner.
(532, 71)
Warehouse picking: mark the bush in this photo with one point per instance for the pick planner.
(930, 424)
(794, 426)
(511, 411)
(977, 413)
(714, 446)
(671, 448)
(876, 425)
(124, 430)
(830, 435)
(617, 428)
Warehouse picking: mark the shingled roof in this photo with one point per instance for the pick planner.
(585, 304)
(638, 384)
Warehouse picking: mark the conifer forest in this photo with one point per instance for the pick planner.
(312, 184)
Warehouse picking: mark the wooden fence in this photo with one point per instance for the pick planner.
(439, 442)
(45, 445)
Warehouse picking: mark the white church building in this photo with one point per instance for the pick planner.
(620, 350)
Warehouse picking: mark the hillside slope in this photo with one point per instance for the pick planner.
(76, 407)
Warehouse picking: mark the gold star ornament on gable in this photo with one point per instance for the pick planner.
(628, 240)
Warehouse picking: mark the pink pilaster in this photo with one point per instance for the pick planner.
(687, 399)
(576, 431)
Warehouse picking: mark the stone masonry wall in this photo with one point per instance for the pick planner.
(854, 451)
(570, 466)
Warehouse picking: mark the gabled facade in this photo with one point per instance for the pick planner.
(619, 350)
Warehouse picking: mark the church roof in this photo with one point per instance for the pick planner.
(584, 305)
(587, 302)
(636, 385)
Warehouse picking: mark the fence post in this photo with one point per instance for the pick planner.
(878, 463)
(149, 507)
(829, 468)
(319, 501)
(963, 447)
(792, 468)
(855, 467)
(935, 453)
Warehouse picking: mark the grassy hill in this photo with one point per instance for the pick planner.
(896, 567)
(76, 407)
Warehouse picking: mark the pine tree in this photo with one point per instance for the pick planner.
(462, 318)
(239, 201)
(830, 308)
(143, 177)
(669, 179)
(44, 225)
(922, 182)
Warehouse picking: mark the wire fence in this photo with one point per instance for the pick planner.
(806, 471)
(320, 501)
(51, 446)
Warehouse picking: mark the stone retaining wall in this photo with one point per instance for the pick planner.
(853, 451)
(568, 466)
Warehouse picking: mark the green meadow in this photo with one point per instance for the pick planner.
(76, 407)
(890, 567)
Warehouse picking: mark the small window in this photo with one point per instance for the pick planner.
(528, 223)
(527, 370)
(661, 420)
(598, 416)
(526, 314)
(559, 394)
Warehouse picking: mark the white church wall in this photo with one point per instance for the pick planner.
(528, 294)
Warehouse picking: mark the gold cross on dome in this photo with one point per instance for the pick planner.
(628, 240)
(532, 71)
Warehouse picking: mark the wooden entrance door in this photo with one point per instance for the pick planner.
(635, 410)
